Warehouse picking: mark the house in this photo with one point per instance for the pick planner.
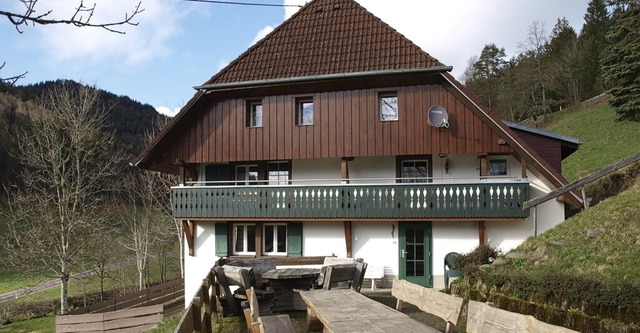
(336, 135)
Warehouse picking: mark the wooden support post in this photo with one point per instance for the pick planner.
(344, 169)
(484, 168)
(258, 244)
(189, 231)
(183, 175)
(523, 165)
(484, 171)
(347, 238)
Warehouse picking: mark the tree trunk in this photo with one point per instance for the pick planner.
(64, 292)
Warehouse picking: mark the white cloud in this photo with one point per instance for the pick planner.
(455, 30)
(82, 48)
(167, 111)
(262, 33)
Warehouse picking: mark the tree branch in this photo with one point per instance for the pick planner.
(80, 18)
(12, 79)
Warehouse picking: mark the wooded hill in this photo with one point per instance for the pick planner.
(127, 118)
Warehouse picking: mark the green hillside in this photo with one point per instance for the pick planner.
(611, 256)
(605, 140)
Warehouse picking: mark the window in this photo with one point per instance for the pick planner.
(388, 106)
(305, 111)
(415, 171)
(247, 174)
(275, 238)
(254, 113)
(278, 173)
(244, 238)
(497, 167)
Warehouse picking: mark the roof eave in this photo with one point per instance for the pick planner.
(315, 78)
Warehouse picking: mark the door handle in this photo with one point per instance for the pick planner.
(404, 252)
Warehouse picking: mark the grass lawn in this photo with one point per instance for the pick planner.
(605, 140)
(38, 325)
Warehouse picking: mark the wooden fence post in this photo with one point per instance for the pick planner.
(206, 302)
(197, 306)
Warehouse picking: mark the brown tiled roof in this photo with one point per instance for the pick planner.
(326, 37)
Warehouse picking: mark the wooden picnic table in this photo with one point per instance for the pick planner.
(286, 283)
(347, 311)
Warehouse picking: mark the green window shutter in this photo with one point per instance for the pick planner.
(221, 240)
(294, 239)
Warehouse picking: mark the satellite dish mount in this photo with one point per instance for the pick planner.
(438, 117)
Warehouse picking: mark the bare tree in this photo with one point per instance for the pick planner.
(81, 17)
(68, 164)
(145, 222)
(162, 195)
(535, 47)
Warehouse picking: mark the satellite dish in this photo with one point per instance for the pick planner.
(438, 117)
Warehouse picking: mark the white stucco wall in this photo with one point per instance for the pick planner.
(320, 171)
(375, 243)
(323, 239)
(197, 267)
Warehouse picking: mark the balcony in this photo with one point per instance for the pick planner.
(392, 201)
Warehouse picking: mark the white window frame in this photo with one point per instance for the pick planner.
(245, 239)
(275, 239)
(385, 105)
(300, 107)
(253, 120)
(247, 172)
(280, 176)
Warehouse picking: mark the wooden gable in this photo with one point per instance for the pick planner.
(346, 124)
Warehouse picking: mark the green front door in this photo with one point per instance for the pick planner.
(414, 250)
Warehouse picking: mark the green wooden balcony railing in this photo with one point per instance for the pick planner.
(482, 200)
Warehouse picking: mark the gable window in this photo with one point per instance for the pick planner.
(275, 238)
(304, 107)
(244, 238)
(415, 171)
(388, 106)
(497, 167)
(278, 173)
(247, 174)
(254, 113)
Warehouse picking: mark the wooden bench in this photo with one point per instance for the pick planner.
(244, 278)
(351, 275)
(484, 318)
(428, 300)
(264, 324)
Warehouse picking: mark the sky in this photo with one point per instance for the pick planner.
(179, 44)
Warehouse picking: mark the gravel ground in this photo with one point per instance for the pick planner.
(236, 324)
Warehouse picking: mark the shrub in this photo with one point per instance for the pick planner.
(468, 263)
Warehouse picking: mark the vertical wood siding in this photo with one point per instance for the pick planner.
(345, 124)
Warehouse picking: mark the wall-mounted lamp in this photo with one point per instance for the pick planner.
(442, 155)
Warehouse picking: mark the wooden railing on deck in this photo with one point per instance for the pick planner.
(202, 309)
